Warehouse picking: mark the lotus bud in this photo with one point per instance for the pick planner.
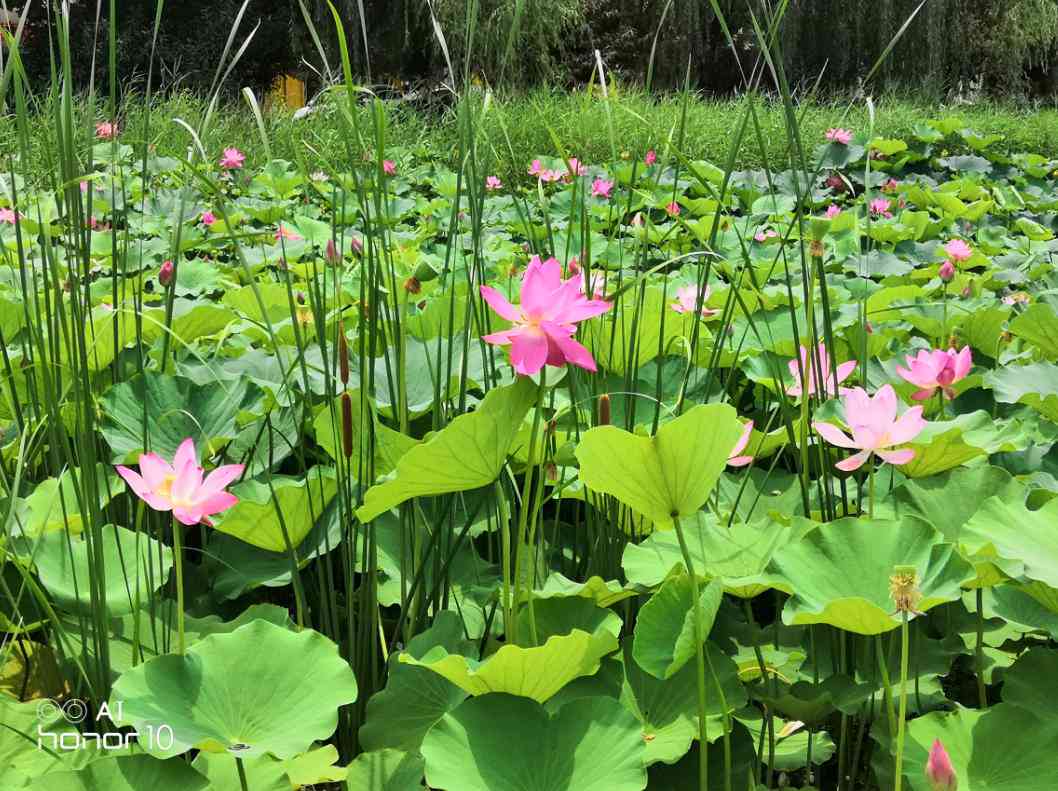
(412, 285)
(165, 274)
(551, 471)
(331, 253)
(947, 271)
(967, 291)
(347, 425)
(300, 297)
(356, 246)
(939, 771)
(604, 410)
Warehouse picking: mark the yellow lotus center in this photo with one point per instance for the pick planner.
(165, 489)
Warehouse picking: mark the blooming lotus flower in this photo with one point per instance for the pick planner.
(958, 250)
(232, 159)
(842, 136)
(947, 271)
(105, 130)
(286, 233)
(929, 370)
(673, 209)
(876, 430)
(165, 273)
(807, 363)
(892, 185)
(576, 167)
(8, 216)
(687, 298)
(389, 167)
(179, 487)
(208, 219)
(493, 183)
(833, 210)
(595, 284)
(536, 167)
(601, 188)
(650, 158)
(939, 771)
(765, 235)
(733, 458)
(545, 320)
(880, 206)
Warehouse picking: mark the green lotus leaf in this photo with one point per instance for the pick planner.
(386, 770)
(1039, 326)
(1020, 609)
(683, 775)
(236, 692)
(591, 744)
(736, 555)
(21, 724)
(791, 752)
(1031, 683)
(560, 616)
(536, 673)
(1018, 541)
(943, 445)
(389, 445)
(665, 632)
(605, 593)
(630, 335)
(54, 504)
(668, 709)
(839, 573)
(315, 767)
(1035, 385)
(169, 409)
(264, 511)
(263, 772)
(125, 773)
(989, 750)
(950, 500)
(135, 566)
(665, 476)
(467, 453)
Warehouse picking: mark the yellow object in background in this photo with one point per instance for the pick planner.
(288, 91)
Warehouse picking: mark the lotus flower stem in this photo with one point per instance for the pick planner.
(870, 492)
(524, 515)
(178, 565)
(902, 719)
(699, 656)
(982, 695)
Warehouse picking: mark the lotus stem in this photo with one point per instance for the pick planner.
(982, 694)
(901, 721)
(178, 565)
(699, 656)
(242, 774)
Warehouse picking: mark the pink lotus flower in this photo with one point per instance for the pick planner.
(356, 245)
(493, 183)
(8, 216)
(876, 430)
(929, 370)
(232, 159)
(601, 188)
(833, 210)
(536, 167)
(958, 250)
(947, 271)
(595, 284)
(165, 273)
(836, 183)
(673, 209)
(687, 298)
(881, 206)
(84, 187)
(389, 167)
(179, 487)
(288, 234)
(734, 459)
(208, 219)
(545, 320)
(576, 167)
(892, 185)
(939, 771)
(105, 130)
(804, 371)
(842, 136)
(765, 235)
(650, 158)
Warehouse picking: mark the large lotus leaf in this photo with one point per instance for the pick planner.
(386, 770)
(239, 692)
(791, 748)
(630, 335)
(1004, 748)
(559, 616)
(1018, 541)
(30, 670)
(389, 445)
(943, 445)
(20, 724)
(134, 566)
(467, 453)
(536, 673)
(668, 709)
(1031, 683)
(1035, 385)
(291, 504)
(126, 773)
(316, 766)
(1039, 326)
(683, 775)
(665, 632)
(591, 744)
(604, 593)
(169, 409)
(949, 501)
(665, 476)
(54, 504)
(263, 772)
(414, 698)
(1024, 608)
(839, 573)
(736, 555)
